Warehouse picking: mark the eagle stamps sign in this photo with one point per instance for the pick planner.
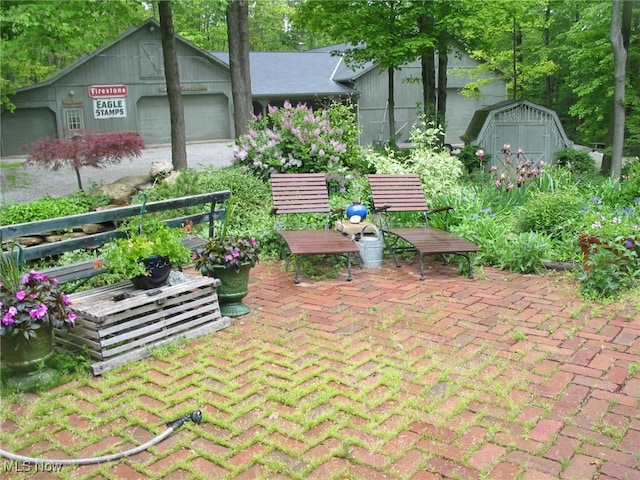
(109, 101)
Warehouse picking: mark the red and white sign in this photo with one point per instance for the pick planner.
(107, 91)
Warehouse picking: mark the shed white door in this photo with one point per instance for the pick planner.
(206, 118)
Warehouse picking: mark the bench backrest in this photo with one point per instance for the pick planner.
(401, 193)
(10, 233)
(299, 193)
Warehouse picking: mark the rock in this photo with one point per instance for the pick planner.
(172, 177)
(134, 180)
(91, 228)
(64, 236)
(161, 168)
(30, 241)
(118, 192)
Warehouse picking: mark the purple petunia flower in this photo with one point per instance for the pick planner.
(21, 294)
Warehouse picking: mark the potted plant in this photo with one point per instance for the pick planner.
(229, 258)
(147, 253)
(31, 306)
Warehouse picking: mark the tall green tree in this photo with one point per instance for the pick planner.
(40, 37)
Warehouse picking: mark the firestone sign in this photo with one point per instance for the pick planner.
(102, 91)
(109, 101)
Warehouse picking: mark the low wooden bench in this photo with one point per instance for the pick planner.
(114, 217)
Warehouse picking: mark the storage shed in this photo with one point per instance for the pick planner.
(534, 129)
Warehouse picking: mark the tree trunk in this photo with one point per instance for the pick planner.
(172, 77)
(238, 35)
(620, 61)
(443, 64)
(392, 107)
(428, 70)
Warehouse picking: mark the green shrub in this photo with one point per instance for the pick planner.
(439, 172)
(610, 270)
(524, 252)
(471, 160)
(251, 194)
(577, 161)
(548, 212)
(49, 207)
(630, 183)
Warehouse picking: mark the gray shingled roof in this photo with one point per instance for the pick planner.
(307, 73)
(480, 117)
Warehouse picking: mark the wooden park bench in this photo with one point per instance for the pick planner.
(57, 229)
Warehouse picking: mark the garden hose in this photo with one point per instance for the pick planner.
(195, 417)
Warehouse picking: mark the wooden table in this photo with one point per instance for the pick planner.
(119, 323)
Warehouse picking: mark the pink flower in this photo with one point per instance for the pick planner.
(8, 317)
(39, 312)
(71, 317)
(21, 294)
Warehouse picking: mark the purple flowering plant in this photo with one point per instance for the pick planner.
(611, 224)
(30, 300)
(298, 140)
(229, 251)
(517, 169)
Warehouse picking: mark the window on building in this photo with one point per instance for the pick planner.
(73, 119)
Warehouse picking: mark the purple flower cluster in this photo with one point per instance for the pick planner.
(518, 173)
(36, 299)
(291, 139)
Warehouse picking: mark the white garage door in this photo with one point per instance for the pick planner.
(206, 118)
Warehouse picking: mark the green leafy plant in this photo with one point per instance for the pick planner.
(607, 223)
(577, 161)
(28, 300)
(124, 256)
(473, 158)
(439, 172)
(548, 212)
(611, 269)
(49, 207)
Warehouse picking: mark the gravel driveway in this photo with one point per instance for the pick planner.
(32, 182)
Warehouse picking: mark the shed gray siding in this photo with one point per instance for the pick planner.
(534, 129)
(373, 87)
(135, 60)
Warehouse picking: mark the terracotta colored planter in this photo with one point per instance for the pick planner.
(587, 242)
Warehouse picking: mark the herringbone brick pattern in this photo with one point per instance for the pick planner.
(504, 377)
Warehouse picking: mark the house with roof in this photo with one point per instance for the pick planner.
(121, 87)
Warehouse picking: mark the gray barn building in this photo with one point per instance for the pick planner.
(534, 129)
(121, 87)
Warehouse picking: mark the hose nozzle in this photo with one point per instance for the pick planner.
(195, 417)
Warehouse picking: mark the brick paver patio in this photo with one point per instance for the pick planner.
(504, 377)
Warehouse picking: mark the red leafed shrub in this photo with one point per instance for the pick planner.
(87, 150)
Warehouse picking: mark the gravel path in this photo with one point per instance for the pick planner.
(32, 182)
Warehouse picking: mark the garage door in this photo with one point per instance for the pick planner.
(23, 127)
(206, 118)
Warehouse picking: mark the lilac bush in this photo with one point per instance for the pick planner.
(298, 140)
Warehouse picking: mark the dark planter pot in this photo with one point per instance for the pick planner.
(234, 286)
(158, 271)
(25, 359)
